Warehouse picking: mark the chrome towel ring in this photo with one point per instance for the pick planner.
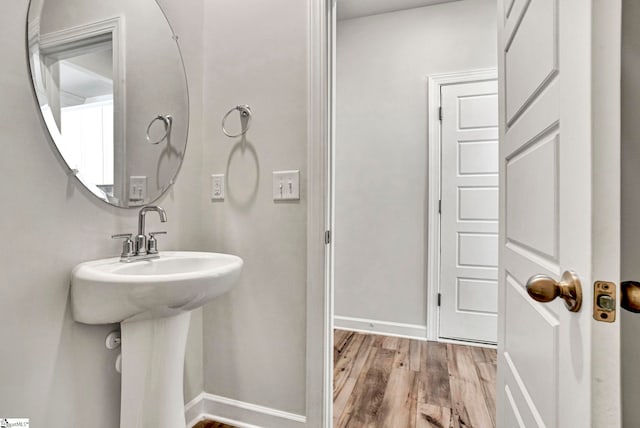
(245, 113)
(168, 124)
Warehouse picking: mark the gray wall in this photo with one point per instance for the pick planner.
(381, 148)
(254, 336)
(630, 323)
(53, 370)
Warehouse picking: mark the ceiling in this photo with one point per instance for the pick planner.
(86, 77)
(348, 9)
(78, 85)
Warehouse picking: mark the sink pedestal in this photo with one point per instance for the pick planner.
(153, 354)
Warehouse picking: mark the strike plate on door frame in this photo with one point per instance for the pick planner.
(604, 301)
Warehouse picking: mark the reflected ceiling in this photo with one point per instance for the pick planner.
(348, 9)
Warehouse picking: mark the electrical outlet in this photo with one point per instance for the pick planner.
(137, 188)
(286, 185)
(217, 187)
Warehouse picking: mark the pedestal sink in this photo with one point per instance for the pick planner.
(152, 300)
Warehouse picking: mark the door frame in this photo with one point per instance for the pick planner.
(319, 396)
(435, 82)
(319, 367)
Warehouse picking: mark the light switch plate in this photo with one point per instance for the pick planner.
(137, 188)
(286, 185)
(217, 187)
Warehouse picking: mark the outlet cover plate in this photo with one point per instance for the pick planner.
(217, 187)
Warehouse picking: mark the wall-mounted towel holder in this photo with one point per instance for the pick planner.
(245, 113)
(168, 124)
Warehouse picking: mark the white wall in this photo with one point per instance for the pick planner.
(630, 323)
(254, 336)
(53, 370)
(381, 148)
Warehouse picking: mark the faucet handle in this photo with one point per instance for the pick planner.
(152, 243)
(127, 244)
(122, 235)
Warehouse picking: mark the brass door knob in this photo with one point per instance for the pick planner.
(631, 296)
(544, 289)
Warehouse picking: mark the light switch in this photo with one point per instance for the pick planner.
(217, 187)
(137, 188)
(286, 185)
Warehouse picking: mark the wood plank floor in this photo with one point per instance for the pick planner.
(211, 424)
(387, 382)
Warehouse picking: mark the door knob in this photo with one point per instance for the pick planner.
(631, 296)
(544, 289)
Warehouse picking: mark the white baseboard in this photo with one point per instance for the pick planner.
(409, 331)
(239, 413)
(193, 411)
(468, 343)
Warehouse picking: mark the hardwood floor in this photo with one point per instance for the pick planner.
(211, 424)
(387, 382)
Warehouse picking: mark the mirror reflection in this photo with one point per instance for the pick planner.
(111, 87)
(80, 93)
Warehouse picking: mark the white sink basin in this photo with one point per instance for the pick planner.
(108, 291)
(151, 300)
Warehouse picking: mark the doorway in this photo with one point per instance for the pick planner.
(381, 239)
(559, 144)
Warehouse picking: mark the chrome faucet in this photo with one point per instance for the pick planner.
(142, 248)
(141, 239)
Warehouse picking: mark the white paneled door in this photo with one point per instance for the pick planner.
(559, 210)
(469, 211)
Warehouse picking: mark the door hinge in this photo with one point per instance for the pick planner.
(439, 206)
(439, 299)
(327, 237)
(440, 114)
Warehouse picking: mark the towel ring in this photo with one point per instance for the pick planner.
(245, 112)
(168, 124)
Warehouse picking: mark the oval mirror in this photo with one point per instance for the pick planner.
(111, 86)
